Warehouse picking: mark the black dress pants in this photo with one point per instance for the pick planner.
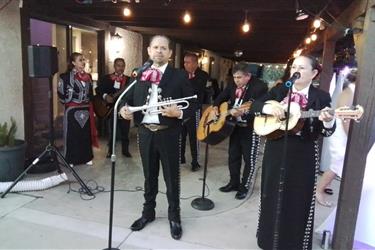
(155, 147)
(243, 143)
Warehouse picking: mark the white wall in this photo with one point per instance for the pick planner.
(11, 86)
(129, 47)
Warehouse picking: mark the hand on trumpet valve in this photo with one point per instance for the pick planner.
(170, 110)
(125, 113)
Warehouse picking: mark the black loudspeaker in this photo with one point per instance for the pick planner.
(42, 61)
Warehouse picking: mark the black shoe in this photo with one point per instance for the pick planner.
(140, 223)
(240, 195)
(229, 187)
(176, 230)
(195, 167)
(108, 155)
(127, 154)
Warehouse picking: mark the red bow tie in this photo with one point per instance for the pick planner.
(239, 92)
(298, 98)
(118, 78)
(152, 75)
(82, 76)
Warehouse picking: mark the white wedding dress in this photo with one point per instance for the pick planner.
(365, 226)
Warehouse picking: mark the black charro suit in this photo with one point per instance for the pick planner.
(243, 142)
(161, 145)
(302, 165)
(107, 86)
(198, 82)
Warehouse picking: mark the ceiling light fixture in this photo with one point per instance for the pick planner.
(300, 14)
(246, 24)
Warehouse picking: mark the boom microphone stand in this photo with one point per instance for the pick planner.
(51, 151)
(280, 194)
(113, 156)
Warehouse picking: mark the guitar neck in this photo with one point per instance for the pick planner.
(314, 113)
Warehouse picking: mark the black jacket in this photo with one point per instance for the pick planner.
(174, 84)
(198, 82)
(106, 86)
(256, 88)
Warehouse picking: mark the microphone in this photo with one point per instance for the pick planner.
(145, 66)
(290, 82)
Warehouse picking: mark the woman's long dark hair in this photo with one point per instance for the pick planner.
(72, 58)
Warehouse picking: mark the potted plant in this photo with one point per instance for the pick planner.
(12, 152)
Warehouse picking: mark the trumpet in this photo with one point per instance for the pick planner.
(181, 103)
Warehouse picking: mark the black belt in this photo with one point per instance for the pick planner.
(154, 127)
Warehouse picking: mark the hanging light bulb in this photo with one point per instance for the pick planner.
(308, 40)
(127, 12)
(246, 27)
(246, 24)
(317, 22)
(187, 17)
(314, 37)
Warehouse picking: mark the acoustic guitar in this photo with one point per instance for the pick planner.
(214, 129)
(103, 109)
(272, 127)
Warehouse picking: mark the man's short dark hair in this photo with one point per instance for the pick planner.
(192, 55)
(242, 67)
(119, 59)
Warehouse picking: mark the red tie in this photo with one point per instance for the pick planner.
(239, 92)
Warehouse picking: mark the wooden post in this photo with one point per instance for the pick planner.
(359, 138)
(327, 61)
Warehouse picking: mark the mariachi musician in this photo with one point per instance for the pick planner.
(159, 130)
(110, 87)
(243, 141)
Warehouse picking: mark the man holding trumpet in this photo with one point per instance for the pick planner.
(159, 130)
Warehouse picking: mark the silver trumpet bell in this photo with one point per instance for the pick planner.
(181, 103)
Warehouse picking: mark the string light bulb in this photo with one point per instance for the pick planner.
(317, 22)
(314, 37)
(308, 40)
(187, 17)
(127, 12)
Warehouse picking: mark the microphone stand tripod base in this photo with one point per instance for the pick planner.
(203, 204)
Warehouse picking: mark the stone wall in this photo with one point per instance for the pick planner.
(11, 86)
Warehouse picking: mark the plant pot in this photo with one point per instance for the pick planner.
(12, 161)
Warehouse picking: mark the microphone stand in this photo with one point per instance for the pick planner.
(113, 160)
(280, 194)
(204, 203)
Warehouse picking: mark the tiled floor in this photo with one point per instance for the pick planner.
(58, 219)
